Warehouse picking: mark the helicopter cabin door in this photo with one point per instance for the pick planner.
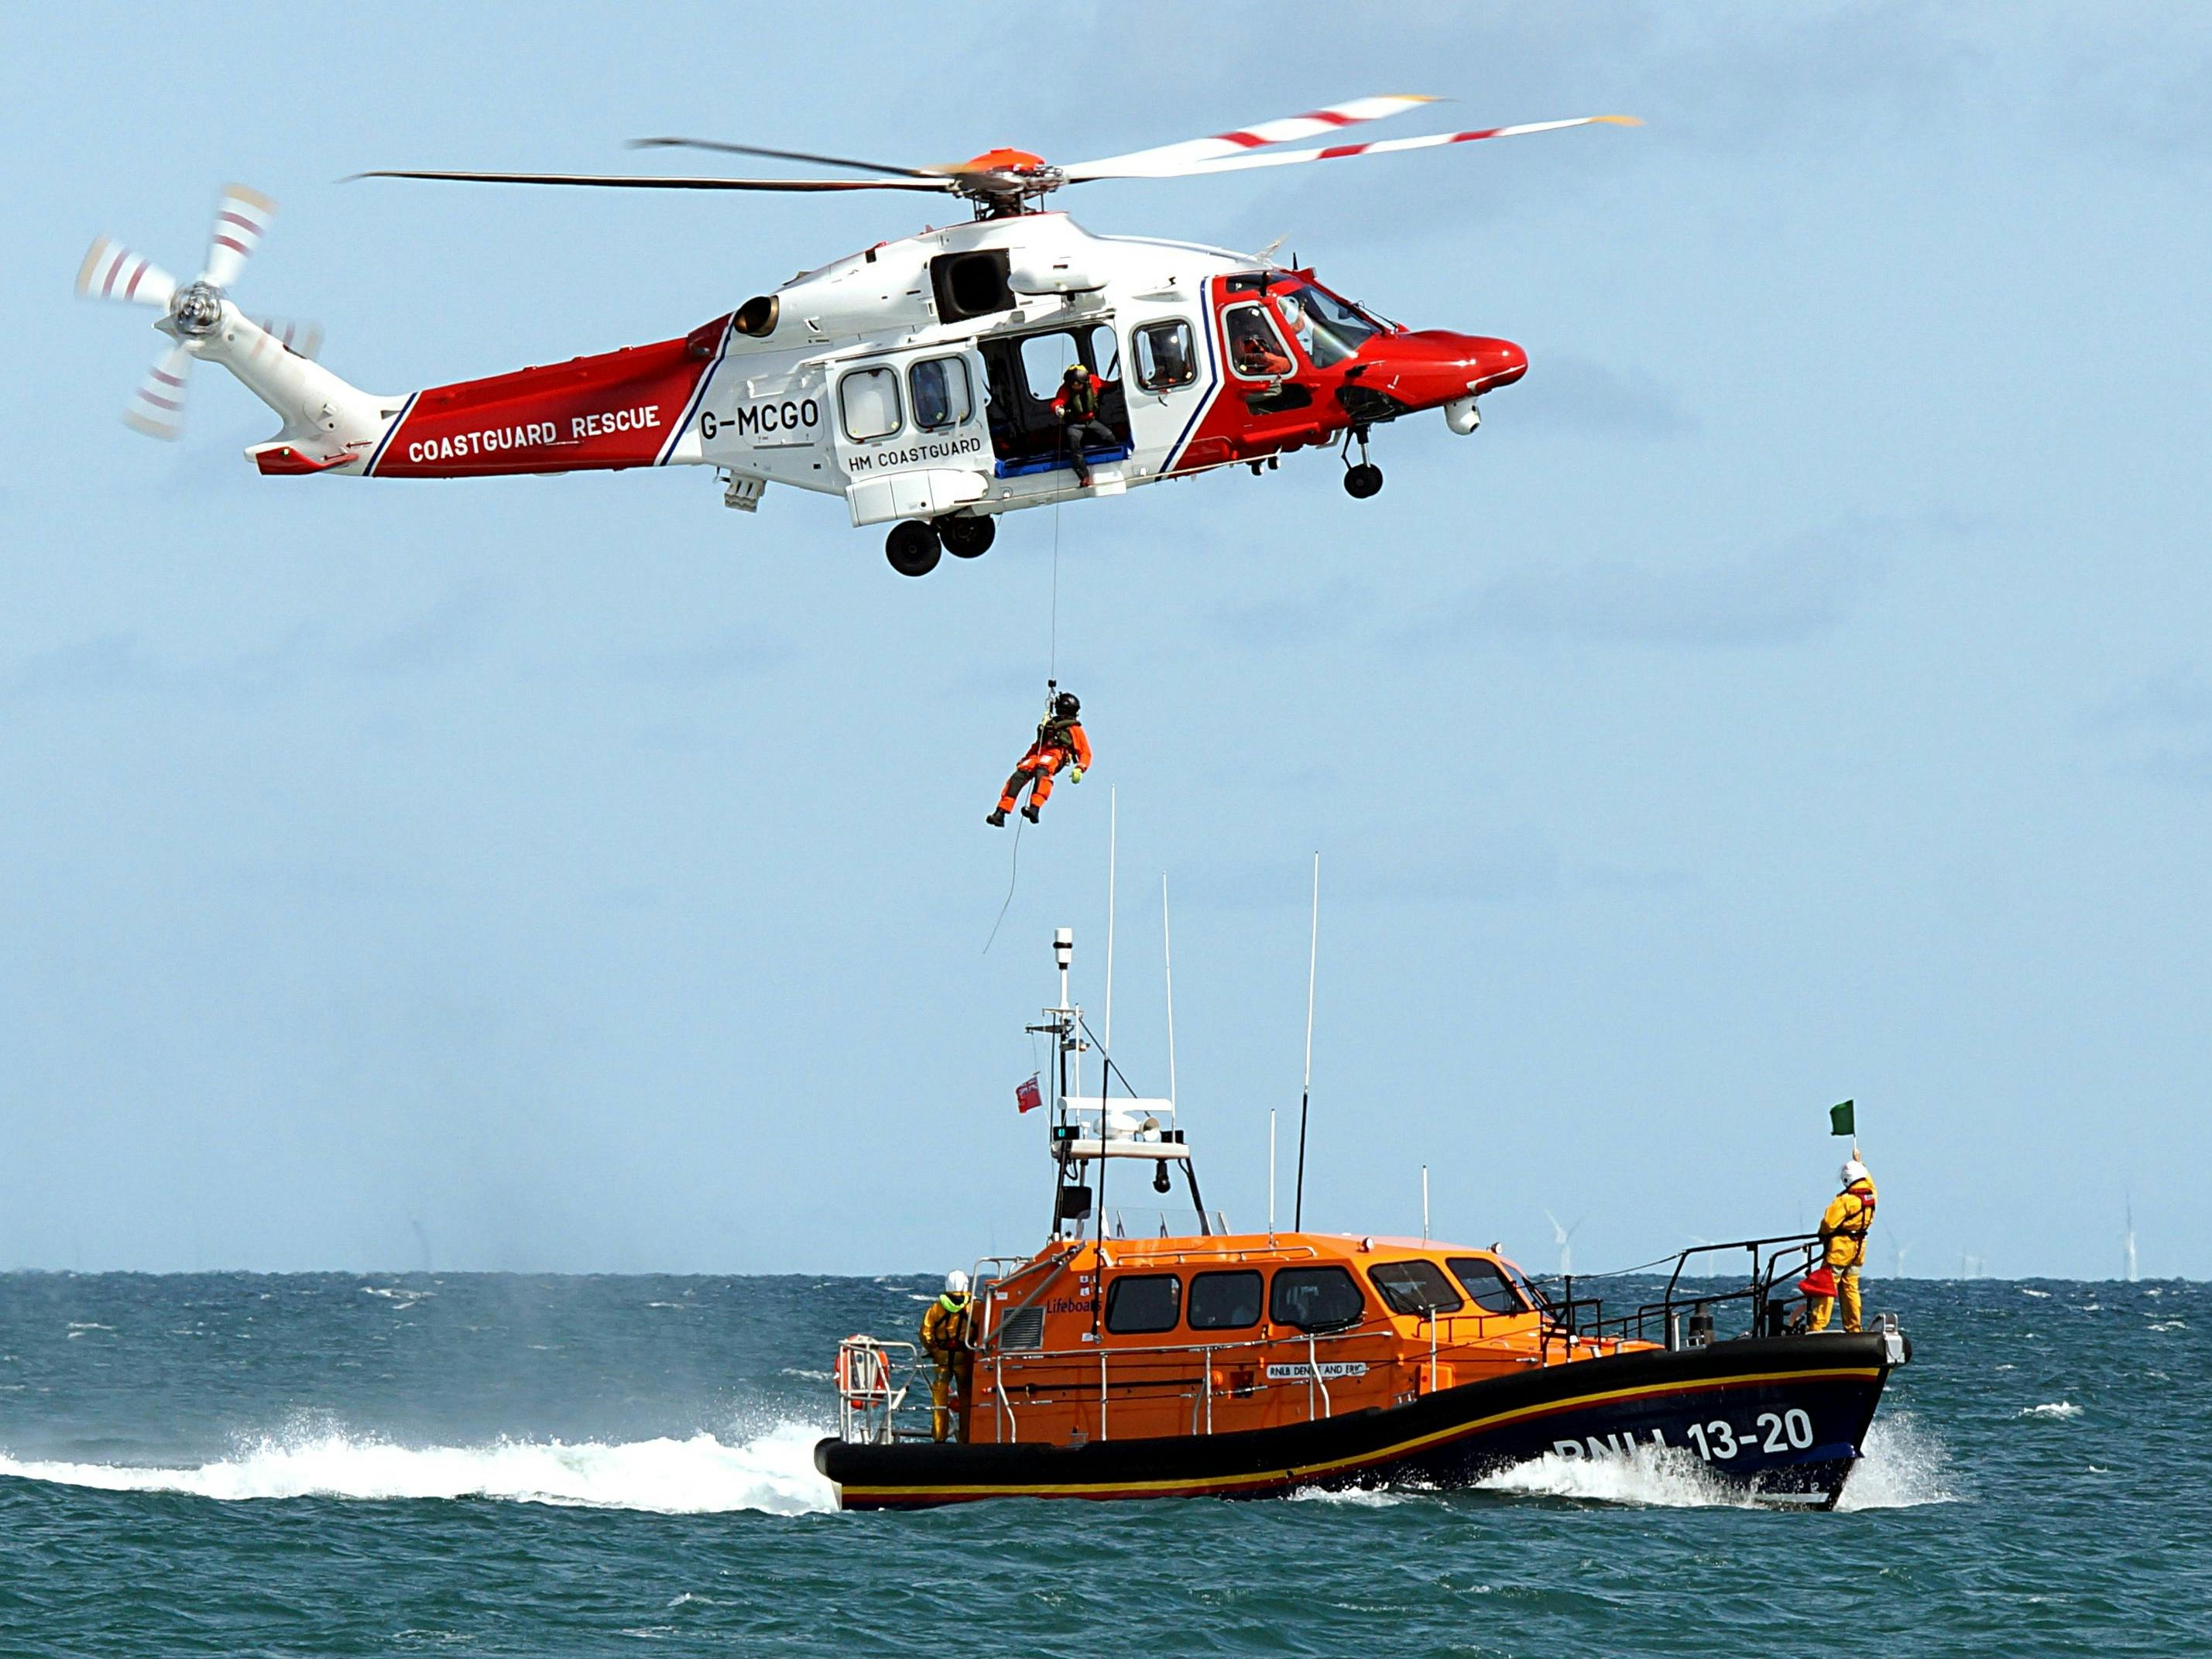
(1024, 372)
(911, 437)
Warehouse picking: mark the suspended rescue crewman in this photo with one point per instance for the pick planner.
(1076, 404)
(1844, 1232)
(1060, 739)
(945, 1339)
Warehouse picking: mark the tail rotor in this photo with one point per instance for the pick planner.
(191, 311)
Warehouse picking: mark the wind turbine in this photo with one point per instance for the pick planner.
(2129, 1238)
(1564, 1236)
(1897, 1254)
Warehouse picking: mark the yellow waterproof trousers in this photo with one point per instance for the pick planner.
(1819, 1308)
(948, 1394)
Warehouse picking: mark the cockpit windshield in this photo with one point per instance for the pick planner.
(1329, 329)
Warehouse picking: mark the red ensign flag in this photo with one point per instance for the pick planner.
(1027, 1098)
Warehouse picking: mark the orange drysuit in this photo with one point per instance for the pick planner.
(1057, 742)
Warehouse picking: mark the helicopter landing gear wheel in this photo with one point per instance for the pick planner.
(968, 536)
(912, 548)
(1363, 479)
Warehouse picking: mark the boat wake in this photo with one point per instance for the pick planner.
(703, 1475)
(1904, 1466)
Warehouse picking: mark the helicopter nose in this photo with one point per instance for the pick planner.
(1497, 363)
(1432, 367)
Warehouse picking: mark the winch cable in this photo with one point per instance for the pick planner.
(1051, 669)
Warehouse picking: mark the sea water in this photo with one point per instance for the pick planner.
(489, 1464)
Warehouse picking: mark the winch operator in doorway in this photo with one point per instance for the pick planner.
(1844, 1230)
(945, 1339)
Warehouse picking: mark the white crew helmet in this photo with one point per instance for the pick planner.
(956, 1283)
(1853, 1170)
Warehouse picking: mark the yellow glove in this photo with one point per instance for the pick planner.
(1075, 775)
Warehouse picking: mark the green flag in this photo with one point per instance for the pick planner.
(1839, 1120)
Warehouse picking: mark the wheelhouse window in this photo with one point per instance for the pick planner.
(940, 392)
(1167, 357)
(1487, 1284)
(1328, 329)
(869, 400)
(1415, 1287)
(1138, 1303)
(1315, 1299)
(1226, 1301)
(1256, 350)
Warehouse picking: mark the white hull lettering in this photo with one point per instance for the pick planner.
(615, 420)
(492, 440)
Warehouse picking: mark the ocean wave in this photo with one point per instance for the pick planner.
(2056, 1410)
(1357, 1498)
(774, 1471)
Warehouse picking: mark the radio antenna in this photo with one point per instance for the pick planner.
(1305, 1095)
(1167, 955)
(1113, 825)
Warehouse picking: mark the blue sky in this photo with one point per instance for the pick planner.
(1799, 688)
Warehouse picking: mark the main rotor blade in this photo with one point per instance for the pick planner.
(1337, 152)
(241, 220)
(883, 168)
(619, 181)
(1168, 160)
(113, 271)
(157, 407)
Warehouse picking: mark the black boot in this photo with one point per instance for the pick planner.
(1030, 811)
(998, 817)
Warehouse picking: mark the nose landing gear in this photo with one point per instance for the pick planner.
(1366, 478)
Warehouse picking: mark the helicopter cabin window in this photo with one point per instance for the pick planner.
(1329, 330)
(1140, 1302)
(1415, 1287)
(1024, 375)
(1105, 353)
(939, 390)
(1166, 357)
(1487, 1284)
(1226, 1301)
(1256, 350)
(1315, 1299)
(869, 398)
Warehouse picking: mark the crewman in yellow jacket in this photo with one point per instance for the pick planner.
(1844, 1232)
(945, 1339)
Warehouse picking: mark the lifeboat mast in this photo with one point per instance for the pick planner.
(1088, 1128)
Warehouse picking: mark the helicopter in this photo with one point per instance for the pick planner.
(914, 378)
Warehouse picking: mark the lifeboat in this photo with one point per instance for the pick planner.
(1208, 1363)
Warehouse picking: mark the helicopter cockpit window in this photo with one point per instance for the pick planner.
(1255, 351)
(940, 389)
(1328, 329)
(1167, 357)
(869, 399)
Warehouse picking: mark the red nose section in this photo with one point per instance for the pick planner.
(1428, 367)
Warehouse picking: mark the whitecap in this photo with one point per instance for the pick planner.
(2056, 1410)
(1357, 1498)
(2029, 1290)
(803, 1375)
(2169, 1325)
(773, 1472)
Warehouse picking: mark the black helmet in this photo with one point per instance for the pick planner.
(1067, 706)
